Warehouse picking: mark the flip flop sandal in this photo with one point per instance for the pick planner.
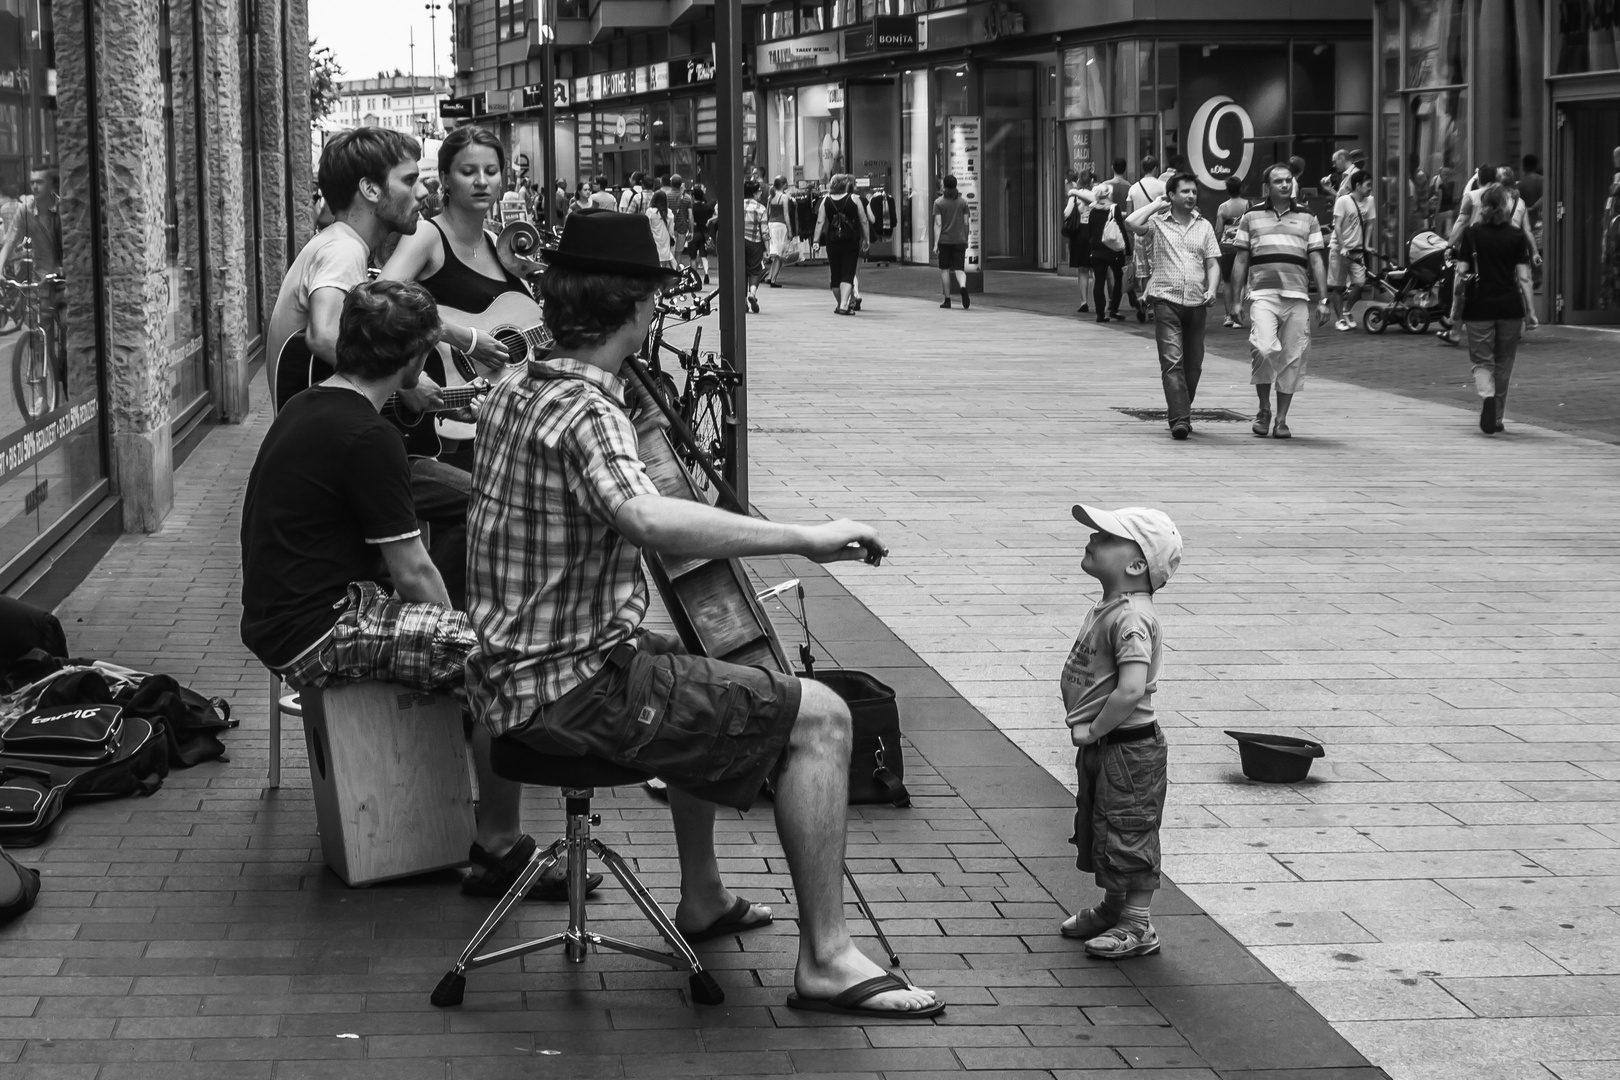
(502, 871)
(849, 1002)
(729, 923)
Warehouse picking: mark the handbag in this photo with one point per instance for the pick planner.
(1113, 237)
(67, 734)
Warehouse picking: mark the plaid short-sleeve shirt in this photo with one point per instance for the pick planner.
(1177, 256)
(552, 586)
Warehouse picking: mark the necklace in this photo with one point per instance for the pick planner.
(455, 243)
(351, 385)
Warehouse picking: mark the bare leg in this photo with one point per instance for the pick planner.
(1283, 401)
(1263, 391)
(499, 823)
(704, 897)
(812, 795)
(945, 282)
(844, 291)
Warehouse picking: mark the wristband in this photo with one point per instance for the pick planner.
(474, 343)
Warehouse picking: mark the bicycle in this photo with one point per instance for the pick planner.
(38, 363)
(705, 402)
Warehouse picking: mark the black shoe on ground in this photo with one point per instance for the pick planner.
(967, 301)
(705, 279)
(855, 304)
(1103, 318)
(774, 284)
(1083, 309)
(945, 303)
(753, 304)
(1180, 430)
(1487, 415)
(1141, 313)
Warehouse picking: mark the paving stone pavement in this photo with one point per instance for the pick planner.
(1439, 608)
(195, 933)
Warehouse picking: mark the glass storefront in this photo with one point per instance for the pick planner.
(187, 359)
(50, 426)
(805, 134)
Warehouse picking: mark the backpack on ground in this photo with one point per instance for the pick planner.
(33, 792)
(840, 230)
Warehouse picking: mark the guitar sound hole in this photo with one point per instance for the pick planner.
(517, 347)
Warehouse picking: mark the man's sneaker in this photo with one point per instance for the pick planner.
(966, 301)
(1262, 423)
(945, 302)
(1122, 943)
(1180, 429)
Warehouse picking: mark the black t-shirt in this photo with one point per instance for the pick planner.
(331, 482)
(1493, 252)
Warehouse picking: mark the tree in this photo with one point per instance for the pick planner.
(324, 71)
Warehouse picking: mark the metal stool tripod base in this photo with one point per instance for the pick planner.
(575, 939)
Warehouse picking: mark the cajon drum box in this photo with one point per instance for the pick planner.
(389, 768)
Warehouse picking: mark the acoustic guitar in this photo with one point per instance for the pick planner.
(513, 319)
(298, 368)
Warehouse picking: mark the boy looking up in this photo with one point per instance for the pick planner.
(1108, 685)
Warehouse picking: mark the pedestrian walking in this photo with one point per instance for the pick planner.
(663, 227)
(1493, 272)
(871, 231)
(1184, 277)
(1148, 187)
(697, 247)
(1353, 217)
(951, 242)
(1111, 249)
(601, 197)
(754, 218)
(1277, 243)
(680, 212)
(776, 238)
(635, 199)
(1076, 212)
(1122, 761)
(1227, 216)
(841, 229)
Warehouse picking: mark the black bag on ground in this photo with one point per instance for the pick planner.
(19, 886)
(32, 793)
(191, 722)
(877, 770)
(66, 734)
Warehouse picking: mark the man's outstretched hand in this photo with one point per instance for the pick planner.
(843, 541)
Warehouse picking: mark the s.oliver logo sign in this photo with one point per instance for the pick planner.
(1220, 141)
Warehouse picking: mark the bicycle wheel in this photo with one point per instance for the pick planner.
(31, 377)
(707, 413)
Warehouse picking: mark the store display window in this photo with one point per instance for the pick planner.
(51, 455)
(806, 132)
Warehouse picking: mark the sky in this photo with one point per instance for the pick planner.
(369, 36)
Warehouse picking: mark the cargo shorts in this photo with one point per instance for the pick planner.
(1118, 809)
(714, 730)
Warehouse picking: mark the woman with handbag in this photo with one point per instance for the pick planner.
(841, 228)
(1076, 211)
(1110, 249)
(1493, 269)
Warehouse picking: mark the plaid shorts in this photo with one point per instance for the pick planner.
(422, 646)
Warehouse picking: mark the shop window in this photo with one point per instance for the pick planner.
(252, 224)
(845, 13)
(50, 427)
(708, 121)
(812, 17)
(464, 26)
(182, 318)
(1586, 37)
(1435, 43)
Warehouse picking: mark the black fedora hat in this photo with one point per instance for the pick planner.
(607, 242)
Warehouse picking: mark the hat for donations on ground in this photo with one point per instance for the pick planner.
(1152, 530)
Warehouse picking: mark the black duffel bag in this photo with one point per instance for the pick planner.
(877, 769)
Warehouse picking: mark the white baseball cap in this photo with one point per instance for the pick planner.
(1152, 530)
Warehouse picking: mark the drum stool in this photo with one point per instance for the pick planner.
(578, 777)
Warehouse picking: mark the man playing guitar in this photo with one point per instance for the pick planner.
(562, 506)
(455, 260)
(371, 184)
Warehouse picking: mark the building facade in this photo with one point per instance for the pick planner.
(153, 186)
(1006, 96)
(400, 102)
(1465, 83)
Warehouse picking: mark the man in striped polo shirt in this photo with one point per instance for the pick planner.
(1276, 244)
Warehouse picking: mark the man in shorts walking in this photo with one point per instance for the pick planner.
(1277, 243)
(562, 509)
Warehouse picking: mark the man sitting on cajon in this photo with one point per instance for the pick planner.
(336, 584)
(561, 508)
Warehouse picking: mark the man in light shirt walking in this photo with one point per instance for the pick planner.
(1353, 216)
(1184, 278)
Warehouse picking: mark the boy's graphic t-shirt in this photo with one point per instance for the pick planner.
(1121, 630)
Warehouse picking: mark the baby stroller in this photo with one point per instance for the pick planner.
(1416, 295)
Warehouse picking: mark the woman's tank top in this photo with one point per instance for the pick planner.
(459, 286)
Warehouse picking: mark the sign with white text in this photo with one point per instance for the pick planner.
(962, 160)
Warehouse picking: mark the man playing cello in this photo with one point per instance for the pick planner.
(561, 508)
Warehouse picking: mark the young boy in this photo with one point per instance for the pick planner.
(1108, 684)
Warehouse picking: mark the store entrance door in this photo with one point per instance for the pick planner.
(1585, 211)
(1011, 202)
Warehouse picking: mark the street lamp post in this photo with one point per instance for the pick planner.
(433, 32)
